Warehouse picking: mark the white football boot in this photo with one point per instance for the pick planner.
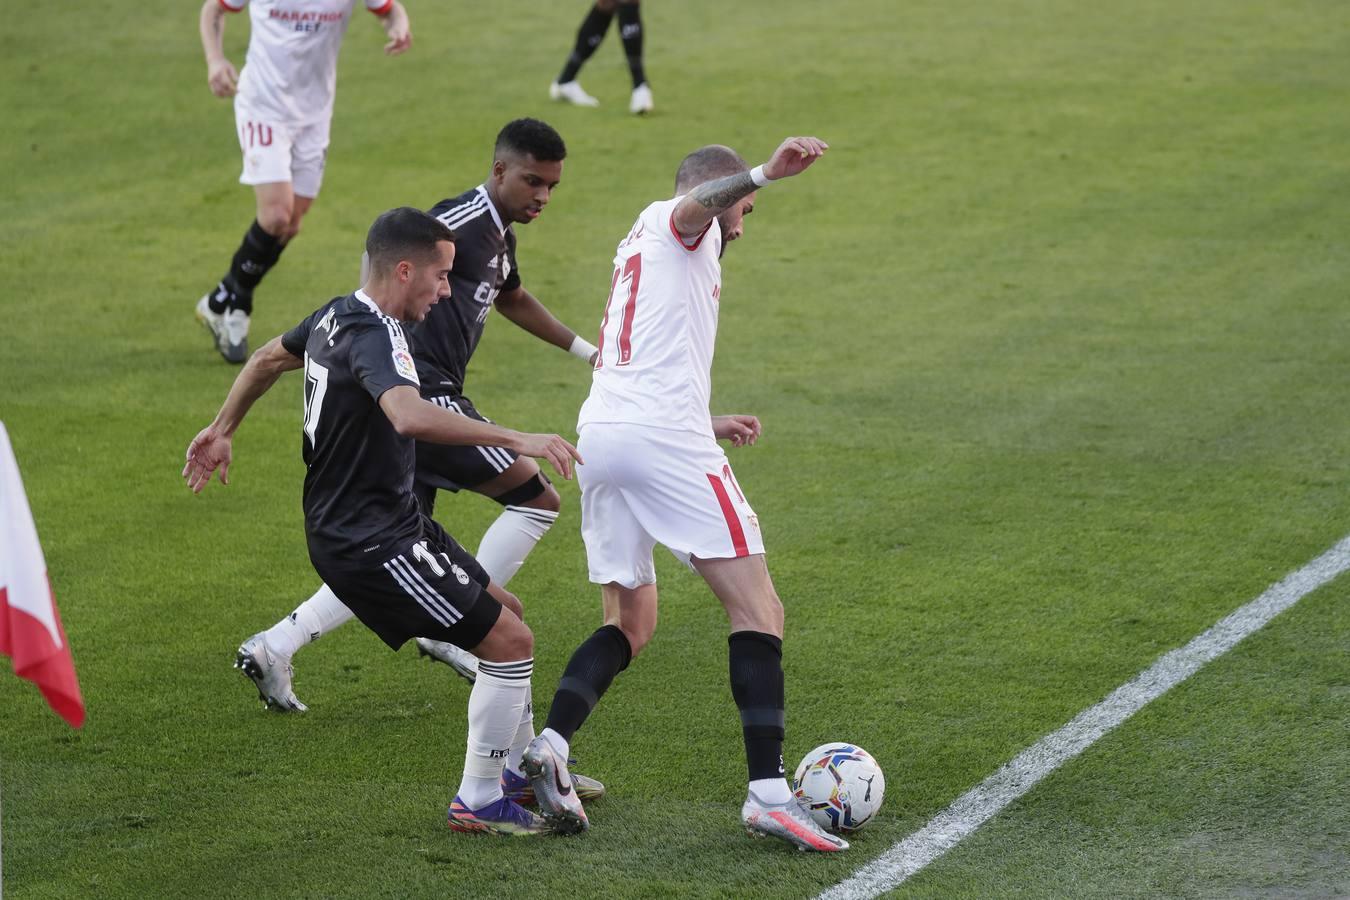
(229, 330)
(463, 662)
(518, 787)
(269, 673)
(789, 822)
(571, 92)
(554, 789)
(234, 342)
(213, 322)
(641, 104)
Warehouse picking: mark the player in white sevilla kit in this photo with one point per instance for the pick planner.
(283, 104)
(654, 474)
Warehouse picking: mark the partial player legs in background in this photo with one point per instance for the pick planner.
(225, 309)
(284, 165)
(589, 36)
(630, 32)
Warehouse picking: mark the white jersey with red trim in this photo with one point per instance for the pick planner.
(659, 328)
(290, 73)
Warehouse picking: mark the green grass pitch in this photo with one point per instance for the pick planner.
(1051, 354)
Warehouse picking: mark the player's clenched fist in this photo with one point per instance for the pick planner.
(741, 430)
(222, 78)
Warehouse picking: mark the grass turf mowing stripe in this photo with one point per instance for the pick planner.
(949, 827)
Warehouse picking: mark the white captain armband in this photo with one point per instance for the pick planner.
(581, 348)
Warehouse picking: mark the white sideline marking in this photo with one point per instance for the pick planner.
(1015, 778)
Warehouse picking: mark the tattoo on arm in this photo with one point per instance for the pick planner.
(723, 192)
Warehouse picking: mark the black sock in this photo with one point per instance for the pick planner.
(630, 32)
(757, 686)
(589, 672)
(589, 36)
(219, 299)
(258, 252)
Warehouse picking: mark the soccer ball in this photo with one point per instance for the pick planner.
(842, 786)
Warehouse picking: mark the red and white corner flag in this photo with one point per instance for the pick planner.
(30, 627)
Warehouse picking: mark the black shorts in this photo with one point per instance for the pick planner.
(432, 588)
(453, 468)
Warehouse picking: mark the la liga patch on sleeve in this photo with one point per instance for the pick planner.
(403, 364)
(403, 361)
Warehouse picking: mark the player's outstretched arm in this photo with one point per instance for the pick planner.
(397, 29)
(524, 309)
(210, 450)
(220, 74)
(740, 429)
(712, 198)
(422, 420)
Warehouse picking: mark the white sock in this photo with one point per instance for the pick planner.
(557, 742)
(311, 620)
(524, 734)
(496, 704)
(771, 791)
(510, 539)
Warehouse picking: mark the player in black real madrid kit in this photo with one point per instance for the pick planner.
(399, 571)
(527, 165)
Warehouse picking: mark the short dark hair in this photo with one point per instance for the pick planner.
(404, 233)
(706, 164)
(533, 137)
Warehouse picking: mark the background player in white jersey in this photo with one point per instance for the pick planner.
(283, 105)
(589, 36)
(655, 474)
(397, 569)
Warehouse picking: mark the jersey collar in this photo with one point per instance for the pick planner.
(365, 298)
(492, 208)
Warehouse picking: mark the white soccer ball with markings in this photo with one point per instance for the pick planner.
(842, 786)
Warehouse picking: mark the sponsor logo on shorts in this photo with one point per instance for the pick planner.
(460, 574)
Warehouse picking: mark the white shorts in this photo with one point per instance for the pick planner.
(275, 152)
(646, 486)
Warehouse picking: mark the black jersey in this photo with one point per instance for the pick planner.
(485, 265)
(358, 487)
